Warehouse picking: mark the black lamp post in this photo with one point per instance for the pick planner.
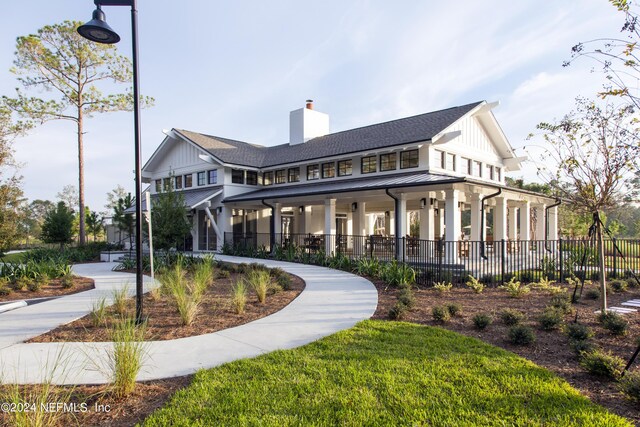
(99, 31)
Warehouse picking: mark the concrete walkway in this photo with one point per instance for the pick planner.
(332, 301)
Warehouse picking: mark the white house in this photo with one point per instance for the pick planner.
(338, 184)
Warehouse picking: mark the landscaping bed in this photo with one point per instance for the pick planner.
(551, 349)
(215, 312)
(54, 288)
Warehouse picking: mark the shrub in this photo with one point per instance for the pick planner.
(274, 288)
(521, 335)
(4, 290)
(440, 314)
(550, 319)
(239, 296)
(129, 350)
(582, 346)
(632, 282)
(511, 317)
(21, 283)
(202, 277)
(603, 364)
(454, 309)
(259, 280)
(284, 280)
(614, 323)
(120, 300)
(482, 320)
(223, 274)
(619, 286)
(407, 298)
(397, 274)
(592, 293)
(67, 281)
(630, 385)
(562, 302)
(475, 285)
(98, 313)
(578, 332)
(398, 311)
(442, 287)
(515, 289)
(34, 286)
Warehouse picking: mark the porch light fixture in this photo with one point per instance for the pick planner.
(423, 203)
(301, 209)
(387, 213)
(97, 30)
(354, 206)
(219, 209)
(432, 201)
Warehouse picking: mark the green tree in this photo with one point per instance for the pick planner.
(124, 221)
(58, 225)
(169, 220)
(94, 223)
(57, 59)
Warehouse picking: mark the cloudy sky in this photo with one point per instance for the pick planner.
(236, 69)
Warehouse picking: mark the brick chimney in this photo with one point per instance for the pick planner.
(307, 123)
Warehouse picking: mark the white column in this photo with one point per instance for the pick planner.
(371, 224)
(476, 203)
(427, 222)
(402, 216)
(452, 230)
(500, 219)
(513, 223)
(440, 221)
(329, 224)
(277, 222)
(553, 224)
(540, 222)
(360, 220)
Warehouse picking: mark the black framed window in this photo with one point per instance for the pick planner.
(213, 176)
(281, 176)
(437, 158)
(252, 178)
(294, 174)
(237, 176)
(345, 167)
(329, 170)
(498, 174)
(409, 159)
(177, 182)
(369, 164)
(267, 178)
(202, 178)
(166, 184)
(449, 162)
(188, 181)
(313, 172)
(388, 162)
(158, 185)
(465, 166)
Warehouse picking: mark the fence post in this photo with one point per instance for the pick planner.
(503, 254)
(404, 249)
(560, 252)
(615, 259)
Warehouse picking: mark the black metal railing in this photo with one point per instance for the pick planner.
(492, 262)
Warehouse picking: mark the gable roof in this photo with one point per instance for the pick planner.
(422, 127)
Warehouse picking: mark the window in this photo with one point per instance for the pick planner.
(280, 176)
(202, 178)
(213, 176)
(267, 178)
(409, 159)
(237, 176)
(498, 174)
(188, 181)
(488, 171)
(387, 162)
(328, 170)
(252, 178)
(465, 166)
(345, 167)
(158, 185)
(294, 174)
(368, 164)
(166, 184)
(475, 168)
(449, 162)
(436, 158)
(177, 182)
(313, 172)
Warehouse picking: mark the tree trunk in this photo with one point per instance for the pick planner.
(81, 233)
(603, 276)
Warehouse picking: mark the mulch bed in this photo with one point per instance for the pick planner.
(163, 323)
(550, 350)
(53, 289)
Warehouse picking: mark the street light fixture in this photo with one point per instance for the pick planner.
(97, 30)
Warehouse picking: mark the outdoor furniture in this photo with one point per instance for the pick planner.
(313, 243)
(463, 248)
(413, 245)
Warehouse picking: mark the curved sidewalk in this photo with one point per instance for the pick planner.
(331, 301)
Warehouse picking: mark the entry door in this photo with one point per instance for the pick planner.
(341, 225)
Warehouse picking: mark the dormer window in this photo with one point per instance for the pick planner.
(280, 176)
(369, 164)
(409, 159)
(237, 176)
(498, 174)
(345, 167)
(252, 178)
(188, 181)
(329, 170)
(475, 168)
(267, 178)
(166, 184)
(388, 162)
(294, 174)
(313, 172)
(436, 158)
(158, 185)
(465, 166)
(488, 171)
(202, 178)
(213, 176)
(177, 182)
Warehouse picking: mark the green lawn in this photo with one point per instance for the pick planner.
(383, 374)
(17, 257)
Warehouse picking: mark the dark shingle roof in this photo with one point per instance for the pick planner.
(192, 198)
(407, 179)
(388, 134)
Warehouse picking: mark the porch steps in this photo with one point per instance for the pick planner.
(619, 310)
(631, 303)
